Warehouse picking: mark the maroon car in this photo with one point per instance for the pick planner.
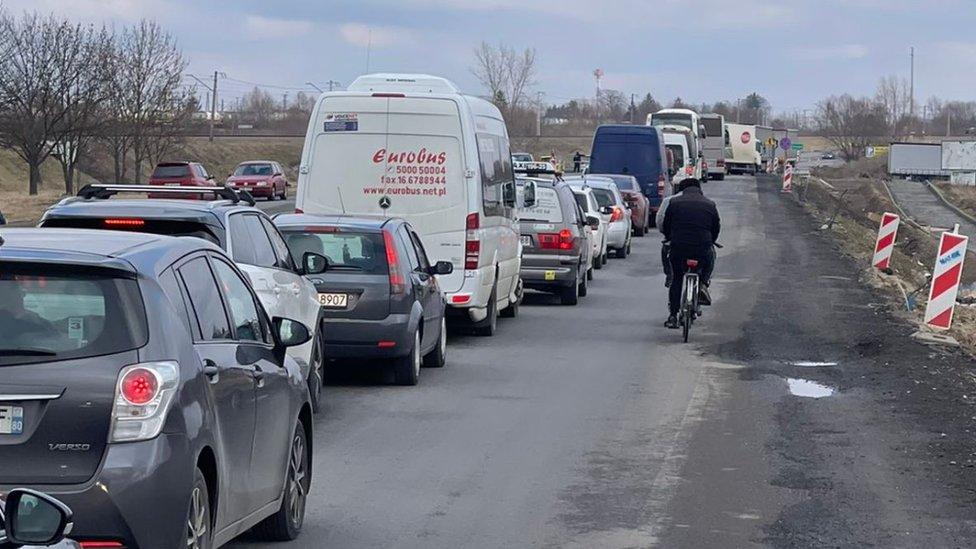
(262, 178)
(180, 174)
(640, 207)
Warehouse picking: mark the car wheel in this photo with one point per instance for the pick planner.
(406, 369)
(286, 523)
(316, 374)
(569, 294)
(438, 357)
(589, 273)
(640, 231)
(198, 519)
(583, 286)
(487, 326)
(605, 258)
(598, 262)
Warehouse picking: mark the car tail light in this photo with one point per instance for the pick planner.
(99, 544)
(116, 222)
(660, 185)
(143, 396)
(386, 344)
(617, 215)
(563, 240)
(472, 244)
(397, 282)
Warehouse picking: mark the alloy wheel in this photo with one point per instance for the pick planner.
(297, 489)
(196, 524)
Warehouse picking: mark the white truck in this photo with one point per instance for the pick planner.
(744, 149)
(413, 146)
(916, 159)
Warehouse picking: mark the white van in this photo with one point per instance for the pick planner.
(688, 161)
(412, 146)
(684, 121)
(745, 149)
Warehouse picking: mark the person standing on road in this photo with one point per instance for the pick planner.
(577, 160)
(691, 224)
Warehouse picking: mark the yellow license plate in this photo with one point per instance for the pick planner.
(550, 275)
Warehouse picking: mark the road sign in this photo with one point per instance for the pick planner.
(785, 143)
(945, 280)
(771, 142)
(797, 146)
(885, 244)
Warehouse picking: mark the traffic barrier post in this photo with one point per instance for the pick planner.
(945, 280)
(885, 244)
(788, 179)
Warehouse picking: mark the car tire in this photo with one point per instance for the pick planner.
(605, 258)
(640, 231)
(199, 517)
(406, 369)
(286, 523)
(437, 358)
(316, 374)
(487, 327)
(583, 286)
(569, 295)
(598, 262)
(589, 273)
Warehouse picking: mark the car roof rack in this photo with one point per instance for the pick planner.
(103, 191)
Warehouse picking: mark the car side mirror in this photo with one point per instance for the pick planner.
(509, 194)
(442, 268)
(33, 518)
(593, 221)
(528, 194)
(313, 263)
(291, 333)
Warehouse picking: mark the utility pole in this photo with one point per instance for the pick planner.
(538, 113)
(633, 109)
(284, 101)
(911, 86)
(948, 122)
(738, 111)
(332, 84)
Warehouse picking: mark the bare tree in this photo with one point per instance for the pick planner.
(148, 69)
(259, 106)
(849, 123)
(894, 98)
(613, 105)
(44, 68)
(507, 74)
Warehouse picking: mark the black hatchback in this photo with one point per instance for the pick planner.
(143, 384)
(379, 293)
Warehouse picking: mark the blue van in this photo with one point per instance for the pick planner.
(633, 150)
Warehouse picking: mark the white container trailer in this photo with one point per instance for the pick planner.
(959, 156)
(915, 159)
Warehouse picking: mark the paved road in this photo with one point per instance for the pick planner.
(592, 426)
(925, 208)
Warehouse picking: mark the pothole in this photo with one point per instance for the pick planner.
(808, 389)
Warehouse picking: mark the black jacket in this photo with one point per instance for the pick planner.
(691, 221)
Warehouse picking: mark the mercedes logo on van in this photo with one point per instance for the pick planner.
(385, 202)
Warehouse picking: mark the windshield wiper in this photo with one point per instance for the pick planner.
(27, 352)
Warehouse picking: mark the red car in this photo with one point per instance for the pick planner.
(640, 207)
(180, 174)
(261, 178)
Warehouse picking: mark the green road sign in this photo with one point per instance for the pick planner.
(797, 146)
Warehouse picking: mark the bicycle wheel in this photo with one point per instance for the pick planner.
(685, 326)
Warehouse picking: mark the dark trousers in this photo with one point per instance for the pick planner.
(679, 266)
(576, 166)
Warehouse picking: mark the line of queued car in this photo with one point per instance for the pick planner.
(163, 358)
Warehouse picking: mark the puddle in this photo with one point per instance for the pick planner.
(812, 364)
(808, 389)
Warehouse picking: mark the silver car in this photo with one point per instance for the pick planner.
(614, 210)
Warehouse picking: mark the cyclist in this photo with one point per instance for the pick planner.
(691, 226)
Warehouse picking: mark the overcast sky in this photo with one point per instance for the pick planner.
(794, 52)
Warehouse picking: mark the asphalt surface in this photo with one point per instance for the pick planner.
(593, 426)
(925, 208)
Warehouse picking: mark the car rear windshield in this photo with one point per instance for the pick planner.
(604, 198)
(347, 250)
(547, 207)
(253, 169)
(58, 313)
(679, 153)
(713, 127)
(168, 227)
(625, 183)
(170, 171)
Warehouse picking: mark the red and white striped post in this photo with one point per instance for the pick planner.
(788, 178)
(885, 244)
(945, 280)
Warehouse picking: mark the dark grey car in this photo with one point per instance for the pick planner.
(379, 293)
(142, 383)
(556, 243)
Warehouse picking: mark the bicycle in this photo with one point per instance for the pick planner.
(690, 308)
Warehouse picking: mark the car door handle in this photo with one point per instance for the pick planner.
(211, 370)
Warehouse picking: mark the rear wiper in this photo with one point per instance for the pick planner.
(27, 352)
